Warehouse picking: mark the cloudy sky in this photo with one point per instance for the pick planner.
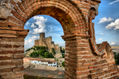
(43, 23)
(106, 25)
(107, 22)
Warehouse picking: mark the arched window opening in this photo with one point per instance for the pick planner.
(44, 47)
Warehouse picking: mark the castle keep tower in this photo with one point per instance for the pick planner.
(42, 36)
(41, 41)
(47, 42)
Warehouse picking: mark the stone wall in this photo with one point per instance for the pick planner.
(47, 42)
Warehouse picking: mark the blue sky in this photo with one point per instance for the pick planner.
(43, 23)
(107, 22)
(106, 25)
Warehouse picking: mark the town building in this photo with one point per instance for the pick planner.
(44, 63)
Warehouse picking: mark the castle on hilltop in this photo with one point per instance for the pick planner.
(47, 42)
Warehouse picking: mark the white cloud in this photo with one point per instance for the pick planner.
(61, 44)
(113, 2)
(33, 25)
(104, 19)
(30, 40)
(35, 37)
(27, 23)
(114, 25)
(39, 24)
(38, 30)
(100, 39)
(39, 18)
(100, 33)
(112, 43)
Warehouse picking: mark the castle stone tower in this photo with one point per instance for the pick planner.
(47, 42)
(42, 35)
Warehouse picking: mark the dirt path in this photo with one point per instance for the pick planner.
(45, 73)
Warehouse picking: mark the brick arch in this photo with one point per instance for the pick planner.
(79, 36)
(95, 48)
(64, 11)
(102, 50)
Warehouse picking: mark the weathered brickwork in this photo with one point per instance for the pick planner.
(11, 58)
(83, 60)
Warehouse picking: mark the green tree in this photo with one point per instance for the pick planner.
(46, 54)
(63, 64)
(34, 54)
(51, 55)
(116, 56)
(63, 55)
(53, 51)
(41, 52)
(62, 51)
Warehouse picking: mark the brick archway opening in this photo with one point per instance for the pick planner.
(65, 20)
(16, 35)
(58, 14)
(74, 15)
(50, 31)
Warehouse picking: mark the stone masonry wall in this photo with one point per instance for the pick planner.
(47, 42)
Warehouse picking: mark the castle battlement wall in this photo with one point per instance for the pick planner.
(47, 42)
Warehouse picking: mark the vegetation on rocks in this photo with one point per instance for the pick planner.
(62, 51)
(63, 64)
(40, 51)
(116, 56)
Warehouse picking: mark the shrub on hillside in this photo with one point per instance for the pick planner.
(34, 54)
(53, 51)
(116, 56)
(41, 52)
(63, 64)
(62, 51)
